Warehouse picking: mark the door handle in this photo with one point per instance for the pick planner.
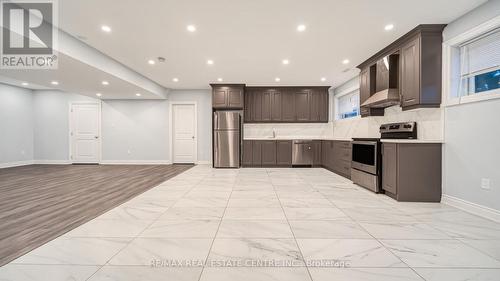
(192, 137)
(96, 137)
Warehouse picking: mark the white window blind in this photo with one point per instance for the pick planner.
(481, 55)
(479, 64)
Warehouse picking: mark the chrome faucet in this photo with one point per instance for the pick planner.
(274, 133)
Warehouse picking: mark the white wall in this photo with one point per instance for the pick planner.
(51, 130)
(16, 125)
(472, 133)
(35, 125)
(204, 104)
(135, 131)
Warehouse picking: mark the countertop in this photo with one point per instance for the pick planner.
(411, 141)
(296, 138)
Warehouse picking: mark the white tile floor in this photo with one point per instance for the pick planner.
(268, 224)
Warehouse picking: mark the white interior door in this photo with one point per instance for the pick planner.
(85, 133)
(184, 133)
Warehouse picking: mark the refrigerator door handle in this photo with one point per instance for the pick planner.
(216, 121)
(216, 147)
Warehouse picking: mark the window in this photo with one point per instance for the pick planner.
(347, 105)
(480, 65)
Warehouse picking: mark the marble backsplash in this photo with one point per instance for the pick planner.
(429, 126)
(291, 130)
(429, 123)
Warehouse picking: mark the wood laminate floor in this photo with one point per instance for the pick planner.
(41, 202)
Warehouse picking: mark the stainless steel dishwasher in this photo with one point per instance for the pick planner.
(302, 153)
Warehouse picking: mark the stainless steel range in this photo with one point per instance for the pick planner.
(366, 165)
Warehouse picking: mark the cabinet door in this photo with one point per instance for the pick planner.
(257, 106)
(317, 153)
(410, 73)
(256, 153)
(247, 112)
(324, 153)
(364, 88)
(284, 153)
(266, 105)
(324, 106)
(219, 98)
(235, 98)
(315, 106)
(288, 106)
(303, 105)
(268, 153)
(276, 106)
(247, 153)
(389, 167)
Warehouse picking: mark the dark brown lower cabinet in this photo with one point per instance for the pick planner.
(268, 153)
(317, 153)
(336, 157)
(411, 172)
(284, 153)
(256, 153)
(247, 153)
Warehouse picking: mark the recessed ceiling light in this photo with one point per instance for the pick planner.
(210, 62)
(105, 83)
(219, 79)
(277, 79)
(346, 61)
(106, 28)
(285, 61)
(138, 94)
(389, 27)
(301, 28)
(25, 83)
(152, 62)
(54, 83)
(98, 94)
(323, 79)
(191, 28)
(175, 79)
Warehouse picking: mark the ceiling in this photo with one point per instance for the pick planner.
(76, 77)
(247, 40)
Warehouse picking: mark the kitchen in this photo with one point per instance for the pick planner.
(394, 161)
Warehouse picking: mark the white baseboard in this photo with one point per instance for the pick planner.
(52, 162)
(136, 162)
(472, 208)
(16, 164)
(204, 162)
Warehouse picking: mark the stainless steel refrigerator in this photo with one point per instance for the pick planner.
(227, 139)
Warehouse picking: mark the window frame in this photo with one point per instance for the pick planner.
(451, 72)
(336, 98)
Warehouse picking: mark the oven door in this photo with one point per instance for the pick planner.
(364, 156)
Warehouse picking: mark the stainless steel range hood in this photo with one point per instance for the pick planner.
(386, 83)
(383, 99)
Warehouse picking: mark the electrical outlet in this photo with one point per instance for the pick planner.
(23, 152)
(485, 184)
(129, 152)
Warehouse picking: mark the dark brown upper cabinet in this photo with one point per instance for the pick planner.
(287, 107)
(302, 105)
(419, 73)
(228, 96)
(319, 105)
(277, 106)
(286, 104)
(367, 78)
